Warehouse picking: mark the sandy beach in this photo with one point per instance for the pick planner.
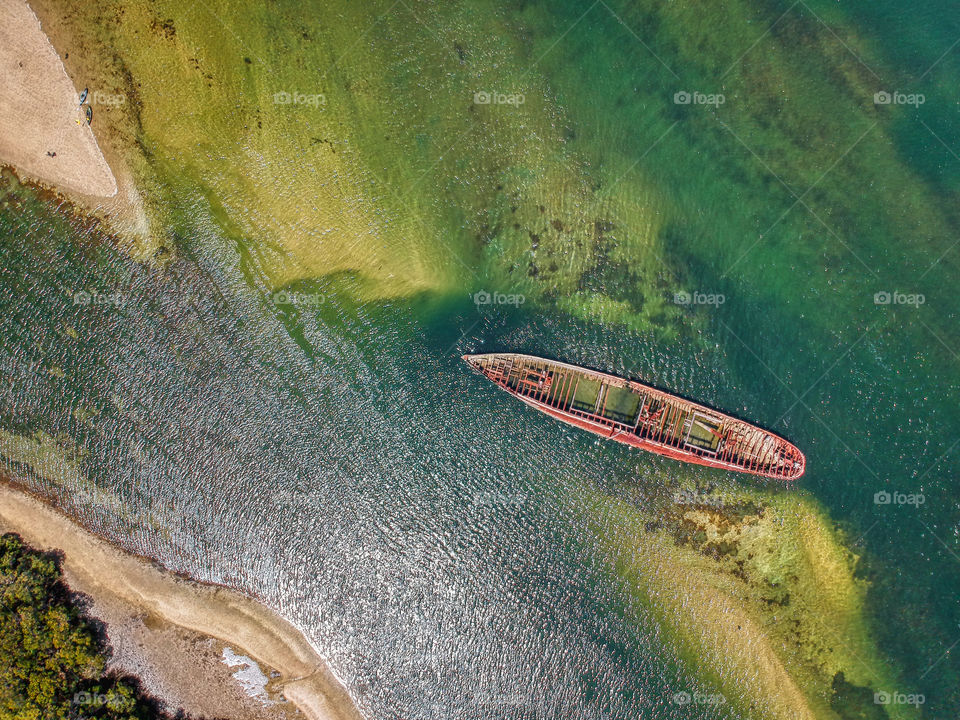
(172, 632)
(43, 132)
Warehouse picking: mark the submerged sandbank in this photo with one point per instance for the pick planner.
(759, 593)
(109, 575)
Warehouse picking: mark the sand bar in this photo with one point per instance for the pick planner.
(39, 111)
(98, 569)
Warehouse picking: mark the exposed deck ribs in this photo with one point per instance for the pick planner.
(655, 420)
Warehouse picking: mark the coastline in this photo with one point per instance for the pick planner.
(114, 578)
(44, 138)
(42, 130)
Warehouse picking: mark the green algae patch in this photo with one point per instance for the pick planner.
(59, 463)
(510, 149)
(760, 595)
(424, 155)
(239, 123)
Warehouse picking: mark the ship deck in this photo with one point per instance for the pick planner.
(640, 415)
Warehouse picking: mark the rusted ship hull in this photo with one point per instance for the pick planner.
(641, 416)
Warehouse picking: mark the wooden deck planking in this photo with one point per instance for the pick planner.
(631, 408)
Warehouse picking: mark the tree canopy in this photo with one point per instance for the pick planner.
(52, 660)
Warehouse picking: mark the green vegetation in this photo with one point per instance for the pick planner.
(52, 661)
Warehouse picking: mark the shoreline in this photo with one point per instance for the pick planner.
(113, 577)
(43, 132)
(44, 139)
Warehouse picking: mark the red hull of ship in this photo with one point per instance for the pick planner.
(754, 451)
